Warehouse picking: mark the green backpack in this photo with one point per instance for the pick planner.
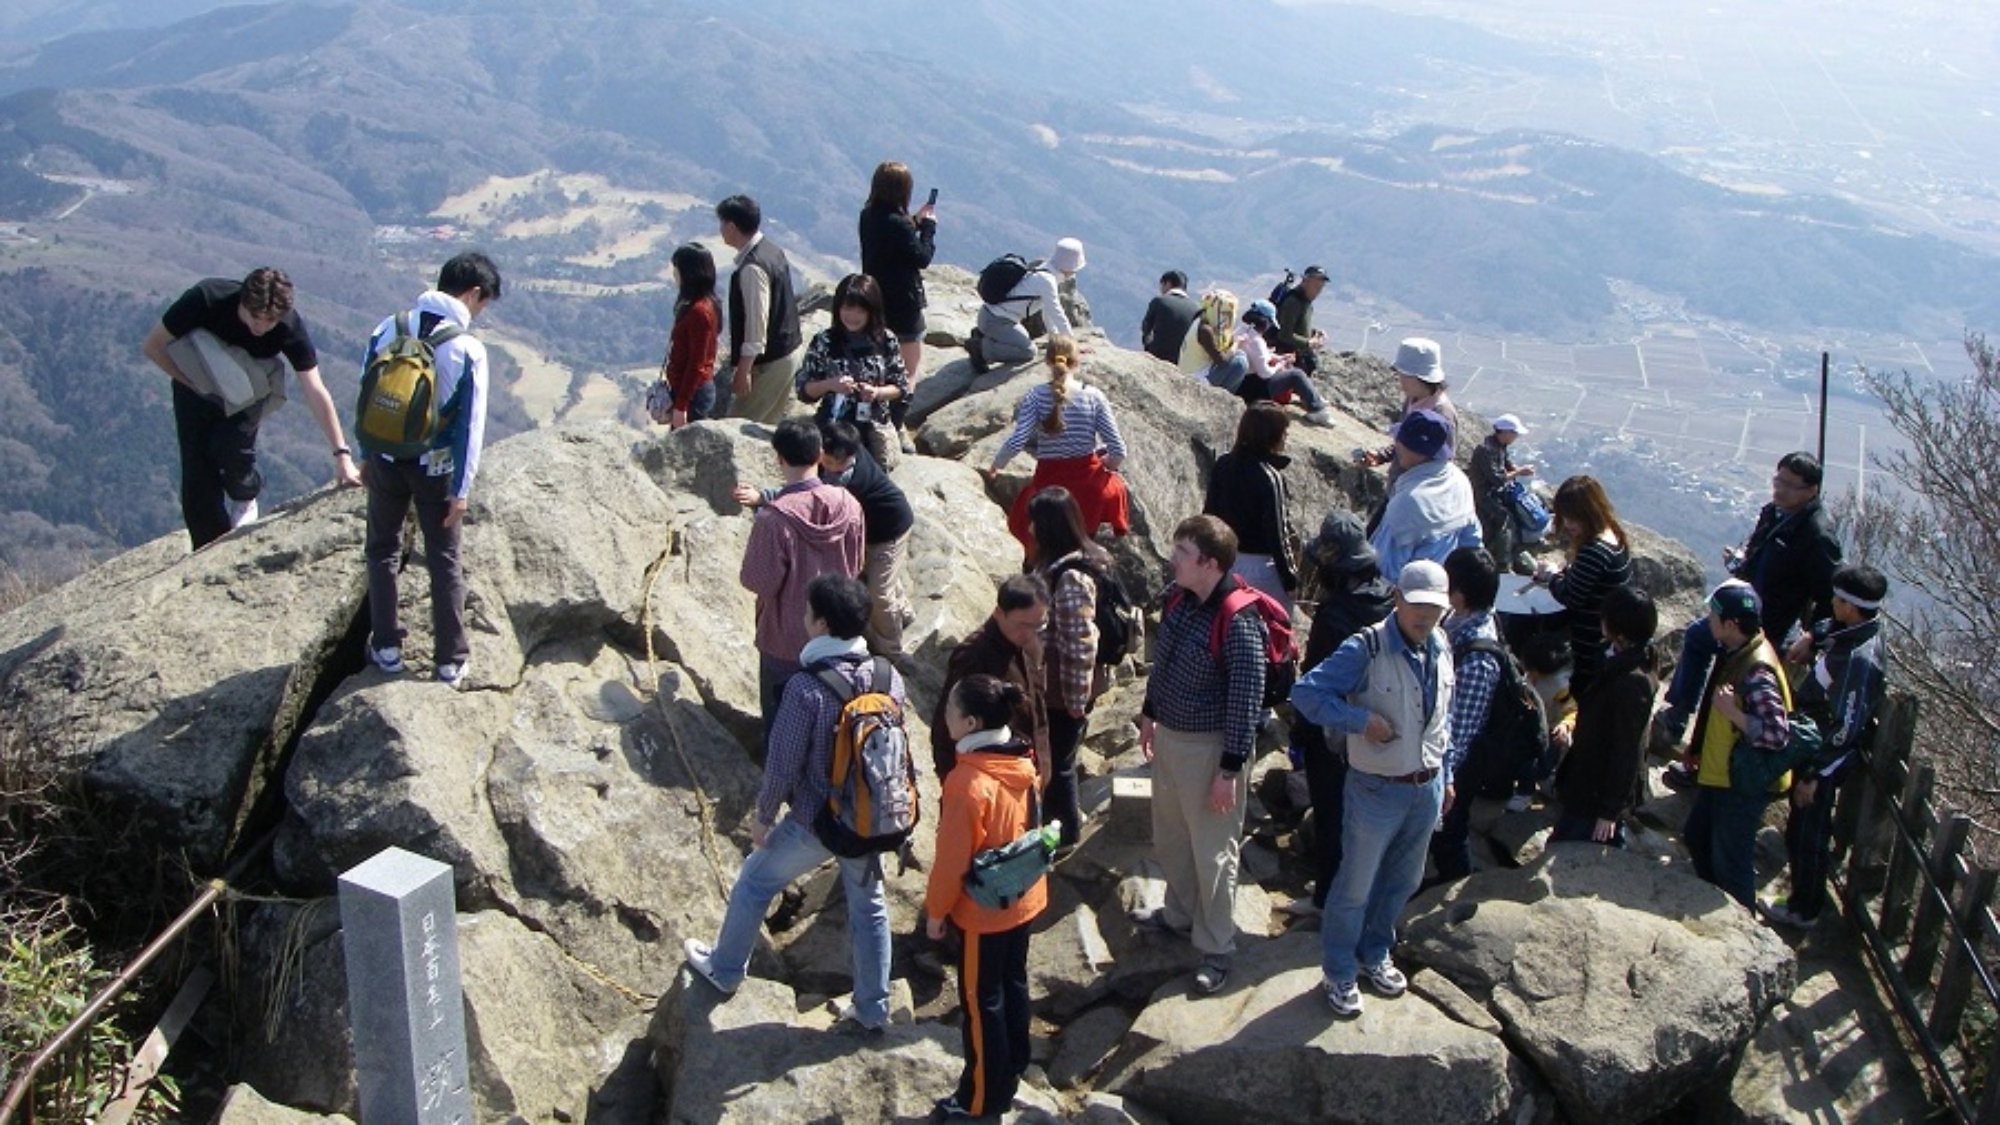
(399, 414)
(1753, 771)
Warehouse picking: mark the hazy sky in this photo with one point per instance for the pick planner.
(1896, 105)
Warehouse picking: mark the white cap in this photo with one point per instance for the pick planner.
(1423, 582)
(1509, 424)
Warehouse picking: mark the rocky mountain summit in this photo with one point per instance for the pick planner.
(590, 786)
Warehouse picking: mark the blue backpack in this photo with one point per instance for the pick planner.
(1531, 516)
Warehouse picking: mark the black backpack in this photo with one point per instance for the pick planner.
(1284, 288)
(1121, 625)
(1516, 732)
(1000, 277)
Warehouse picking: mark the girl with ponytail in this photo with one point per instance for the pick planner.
(1079, 448)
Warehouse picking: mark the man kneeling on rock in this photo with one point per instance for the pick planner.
(797, 774)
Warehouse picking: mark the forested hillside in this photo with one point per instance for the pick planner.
(134, 162)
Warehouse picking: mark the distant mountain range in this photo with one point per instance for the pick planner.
(134, 160)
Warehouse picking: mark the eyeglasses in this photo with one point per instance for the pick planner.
(1789, 483)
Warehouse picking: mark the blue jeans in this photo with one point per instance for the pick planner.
(1721, 838)
(789, 852)
(1383, 833)
(701, 407)
(1698, 652)
(1291, 379)
(1229, 374)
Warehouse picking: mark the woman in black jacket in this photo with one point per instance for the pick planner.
(1246, 490)
(895, 248)
(1597, 778)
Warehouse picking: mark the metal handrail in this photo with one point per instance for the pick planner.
(17, 1094)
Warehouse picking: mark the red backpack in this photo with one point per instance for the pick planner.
(1281, 645)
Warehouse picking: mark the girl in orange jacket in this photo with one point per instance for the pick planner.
(986, 805)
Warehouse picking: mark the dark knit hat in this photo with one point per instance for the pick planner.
(1342, 543)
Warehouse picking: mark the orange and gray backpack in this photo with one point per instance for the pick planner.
(399, 414)
(872, 805)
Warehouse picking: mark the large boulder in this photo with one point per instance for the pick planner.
(169, 684)
(1267, 1048)
(755, 1058)
(548, 1039)
(1625, 983)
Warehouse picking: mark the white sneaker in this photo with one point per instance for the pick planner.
(453, 674)
(390, 659)
(1342, 996)
(699, 956)
(1321, 417)
(242, 513)
(1386, 978)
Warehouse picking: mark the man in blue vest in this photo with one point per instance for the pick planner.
(1387, 688)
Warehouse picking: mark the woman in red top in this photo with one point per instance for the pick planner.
(985, 805)
(686, 390)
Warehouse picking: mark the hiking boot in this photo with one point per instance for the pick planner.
(242, 513)
(1385, 978)
(975, 352)
(1321, 417)
(700, 959)
(1343, 997)
(452, 672)
(1213, 974)
(390, 659)
(1781, 912)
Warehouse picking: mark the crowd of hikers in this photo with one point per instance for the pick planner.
(1420, 686)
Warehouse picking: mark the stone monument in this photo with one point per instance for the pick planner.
(405, 1007)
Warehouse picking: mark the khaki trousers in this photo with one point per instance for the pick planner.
(771, 389)
(889, 610)
(1196, 847)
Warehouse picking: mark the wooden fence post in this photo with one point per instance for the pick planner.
(1955, 981)
(1933, 908)
(1862, 831)
(1905, 857)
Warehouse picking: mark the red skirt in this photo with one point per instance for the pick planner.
(1100, 495)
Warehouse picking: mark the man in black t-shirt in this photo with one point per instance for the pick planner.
(224, 344)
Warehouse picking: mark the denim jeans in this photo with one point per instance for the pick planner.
(1698, 652)
(1385, 827)
(1230, 373)
(702, 406)
(1721, 838)
(789, 852)
(1291, 379)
